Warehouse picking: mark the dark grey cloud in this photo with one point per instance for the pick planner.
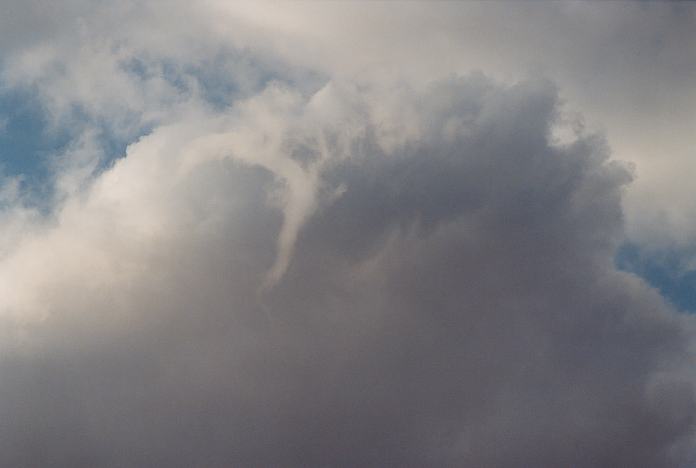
(455, 305)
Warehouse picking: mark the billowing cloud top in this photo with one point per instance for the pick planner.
(304, 258)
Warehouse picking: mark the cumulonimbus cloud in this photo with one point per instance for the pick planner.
(449, 300)
(352, 274)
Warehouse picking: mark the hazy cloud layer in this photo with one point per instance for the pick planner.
(304, 260)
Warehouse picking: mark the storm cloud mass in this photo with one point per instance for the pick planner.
(307, 260)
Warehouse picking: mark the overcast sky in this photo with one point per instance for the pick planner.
(347, 234)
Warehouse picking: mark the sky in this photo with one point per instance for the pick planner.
(347, 234)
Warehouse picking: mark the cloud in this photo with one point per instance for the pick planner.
(317, 251)
(446, 295)
(627, 66)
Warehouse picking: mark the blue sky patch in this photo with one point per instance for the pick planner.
(663, 270)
